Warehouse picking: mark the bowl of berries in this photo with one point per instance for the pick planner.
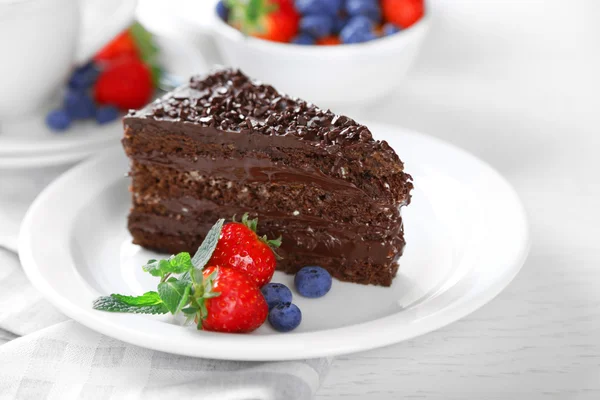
(330, 52)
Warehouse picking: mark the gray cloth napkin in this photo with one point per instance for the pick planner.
(44, 355)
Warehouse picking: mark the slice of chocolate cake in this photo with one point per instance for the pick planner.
(224, 145)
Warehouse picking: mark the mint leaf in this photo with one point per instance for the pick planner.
(175, 294)
(208, 246)
(145, 304)
(156, 267)
(186, 277)
(178, 264)
(147, 299)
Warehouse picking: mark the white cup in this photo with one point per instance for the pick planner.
(41, 40)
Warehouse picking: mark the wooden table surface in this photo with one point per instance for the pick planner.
(517, 84)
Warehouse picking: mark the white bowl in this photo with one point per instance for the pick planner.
(326, 75)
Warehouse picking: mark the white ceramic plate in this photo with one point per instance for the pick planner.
(467, 238)
(21, 143)
(41, 160)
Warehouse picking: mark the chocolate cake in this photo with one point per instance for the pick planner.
(224, 145)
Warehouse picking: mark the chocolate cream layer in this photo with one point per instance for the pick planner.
(263, 188)
(162, 213)
(195, 148)
(299, 237)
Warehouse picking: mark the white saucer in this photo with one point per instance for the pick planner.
(466, 231)
(30, 141)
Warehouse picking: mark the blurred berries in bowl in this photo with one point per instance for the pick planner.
(121, 76)
(327, 51)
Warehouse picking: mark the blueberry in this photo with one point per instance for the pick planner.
(317, 26)
(319, 7)
(303, 38)
(309, 7)
(358, 29)
(332, 7)
(58, 120)
(285, 317)
(313, 282)
(106, 114)
(339, 22)
(368, 8)
(79, 105)
(360, 37)
(390, 29)
(84, 77)
(276, 293)
(222, 11)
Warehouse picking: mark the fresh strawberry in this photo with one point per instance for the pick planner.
(218, 298)
(275, 20)
(121, 47)
(329, 41)
(240, 247)
(126, 84)
(239, 308)
(403, 13)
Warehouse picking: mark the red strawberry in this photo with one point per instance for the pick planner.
(403, 13)
(121, 47)
(240, 307)
(275, 20)
(240, 247)
(126, 84)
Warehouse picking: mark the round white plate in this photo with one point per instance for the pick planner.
(466, 231)
(31, 137)
(37, 161)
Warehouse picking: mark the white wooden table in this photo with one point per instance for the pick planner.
(517, 83)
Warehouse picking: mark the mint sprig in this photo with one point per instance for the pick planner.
(208, 246)
(182, 286)
(174, 294)
(148, 303)
(176, 264)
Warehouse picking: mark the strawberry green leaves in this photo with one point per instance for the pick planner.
(147, 49)
(252, 224)
(182, 286)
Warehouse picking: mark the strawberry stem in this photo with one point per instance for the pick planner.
(203, 290)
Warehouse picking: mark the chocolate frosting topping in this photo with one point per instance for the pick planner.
(229, 100)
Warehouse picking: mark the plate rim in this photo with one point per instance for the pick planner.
(451, 313)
